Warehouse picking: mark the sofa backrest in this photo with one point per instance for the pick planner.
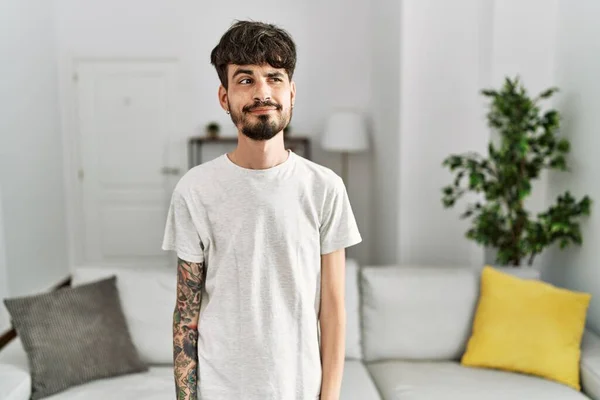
(417, 313)
(148, 299)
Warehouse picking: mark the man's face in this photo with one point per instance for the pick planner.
(259, 99)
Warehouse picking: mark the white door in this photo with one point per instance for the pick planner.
(127, 114)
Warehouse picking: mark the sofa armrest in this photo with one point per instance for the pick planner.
(590, 365)
(15, 384)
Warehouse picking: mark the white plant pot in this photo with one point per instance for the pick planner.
(521, 271)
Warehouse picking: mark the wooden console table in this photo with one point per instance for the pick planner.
(298, 144)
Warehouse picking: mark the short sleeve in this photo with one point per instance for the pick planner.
(338, 226)
(181, 234)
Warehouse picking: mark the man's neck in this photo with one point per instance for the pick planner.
(263, 154)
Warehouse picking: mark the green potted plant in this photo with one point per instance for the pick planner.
(212, 130)
(502, 181)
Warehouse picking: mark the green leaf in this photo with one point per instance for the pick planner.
(524, 192)
(459, 176)
(548, 93)
(466, 214)
(559, 162)
(475, 180)
(550, 119)
(563, 146)
(448, 202)
(524, 145)
(585, 205)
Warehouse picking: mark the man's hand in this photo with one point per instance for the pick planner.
(333, 323)
(190, 280)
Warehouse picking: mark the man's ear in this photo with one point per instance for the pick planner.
(223, 98)
(293, 91)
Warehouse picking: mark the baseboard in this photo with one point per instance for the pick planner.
(9, 335)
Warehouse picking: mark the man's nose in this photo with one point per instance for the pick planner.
(262, 91)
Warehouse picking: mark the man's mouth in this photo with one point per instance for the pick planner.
(262, 110)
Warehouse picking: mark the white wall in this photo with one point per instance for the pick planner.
(30, 148)
(384, 100)
(336, 74)
(443, 65)
(331, 71)
(416, 66)
(577, 66)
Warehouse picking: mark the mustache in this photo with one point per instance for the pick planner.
(260, 104)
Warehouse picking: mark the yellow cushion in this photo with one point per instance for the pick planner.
(527, 326)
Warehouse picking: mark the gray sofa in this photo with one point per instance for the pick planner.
(407, 328)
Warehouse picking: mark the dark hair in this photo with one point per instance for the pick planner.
(249, 42)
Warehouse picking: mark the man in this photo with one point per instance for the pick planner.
(260, 234)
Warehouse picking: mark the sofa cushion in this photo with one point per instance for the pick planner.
(353, 339)
(148, 300)
(73, 336)
(18, 383)
(156, 384)
(357, 383)
(427, 380)
(15, 384)
(417, 313)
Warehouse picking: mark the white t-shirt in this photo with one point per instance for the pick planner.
(261, 234)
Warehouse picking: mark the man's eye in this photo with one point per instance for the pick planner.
(246, 79)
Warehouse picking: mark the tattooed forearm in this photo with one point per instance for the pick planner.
(190, 279)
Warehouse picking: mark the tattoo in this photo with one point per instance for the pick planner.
(190, 281)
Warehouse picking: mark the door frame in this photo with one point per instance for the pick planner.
(71, 144)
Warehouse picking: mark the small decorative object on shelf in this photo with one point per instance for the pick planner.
(212, 130)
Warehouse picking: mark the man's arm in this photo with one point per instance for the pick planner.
(332, 319)
(190, 279)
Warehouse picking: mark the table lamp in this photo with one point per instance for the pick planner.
(345, 132)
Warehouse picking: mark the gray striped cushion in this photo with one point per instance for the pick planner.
(73, 336)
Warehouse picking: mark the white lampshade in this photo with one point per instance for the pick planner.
(345, 131)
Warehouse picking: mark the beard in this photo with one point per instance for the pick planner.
(266, 126)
